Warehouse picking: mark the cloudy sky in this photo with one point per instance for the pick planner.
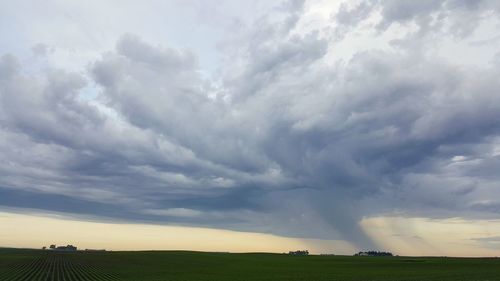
(332, 125)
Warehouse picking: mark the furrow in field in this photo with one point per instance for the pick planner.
(65, 270)
(11, 269)
(27, 276)
(51, 276)
(41, 272)
(53, 269)
(95, 271)
(112, 276)
(89, 275)
(38, 275)
(20, 270)
(47, 276)
(68, 267)
(59, 269)
(81, 272)
(26, 271)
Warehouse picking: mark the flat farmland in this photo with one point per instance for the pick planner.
(49, 266)
(193, 266)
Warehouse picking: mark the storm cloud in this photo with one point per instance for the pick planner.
(288, 135)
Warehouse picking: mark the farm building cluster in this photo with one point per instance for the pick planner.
(67, 248)
(374, 254)
(299, 253)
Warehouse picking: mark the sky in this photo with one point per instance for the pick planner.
(333, 126)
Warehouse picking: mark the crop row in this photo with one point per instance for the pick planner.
(55, 267)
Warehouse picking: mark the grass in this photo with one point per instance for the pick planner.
(194, 266)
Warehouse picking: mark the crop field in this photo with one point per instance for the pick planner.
(51, 266)
(200, 266)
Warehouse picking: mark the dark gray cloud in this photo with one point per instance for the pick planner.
(282, 141)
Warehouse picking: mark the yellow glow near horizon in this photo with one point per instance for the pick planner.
(35, 231)
(403, 236)
(435, 237)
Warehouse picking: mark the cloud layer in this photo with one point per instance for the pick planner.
(294, 134)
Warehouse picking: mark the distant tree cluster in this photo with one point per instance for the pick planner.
(299, 253)
(375, 254)
(68, 248)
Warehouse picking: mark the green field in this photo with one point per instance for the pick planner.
(193, 266)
